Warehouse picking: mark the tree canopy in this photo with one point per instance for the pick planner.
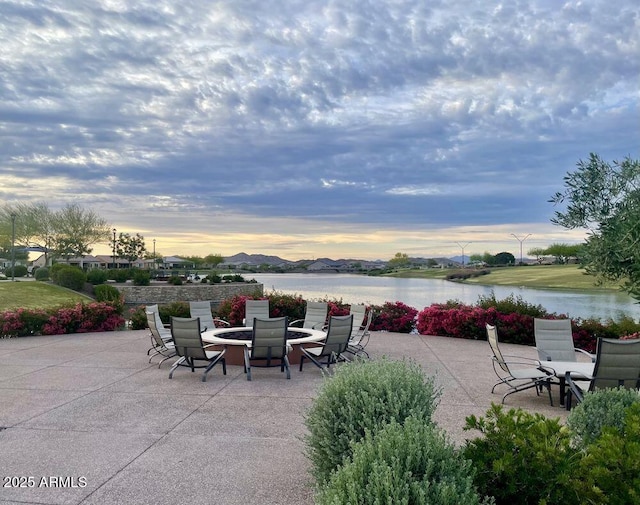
(604, 199)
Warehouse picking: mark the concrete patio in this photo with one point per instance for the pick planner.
(90, 409)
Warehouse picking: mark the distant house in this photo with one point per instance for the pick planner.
(169, 262)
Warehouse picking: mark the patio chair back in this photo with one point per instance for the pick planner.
(315, 316)
(554, 339)
(492, 337)
(269, 339)
(255, 309)
(158, 332)
(338, 335)
(187, 338)
(617, 364)
(202, 309)
(358, 312)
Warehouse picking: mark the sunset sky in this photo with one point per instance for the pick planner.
(305, 129)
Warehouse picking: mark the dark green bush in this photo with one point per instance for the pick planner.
(141, 277)
(42, 274)
(599, 409)
(411, 464)
(109, 294)
(176, 280)
(214, 278)
(363, 396)
(97, 276)
(177, 309)
(137, 318)
(70, 277)
(119, 274)
(511, 305)
(281, 304)
(609, 472)
(55, 269)
(18, 271)
(522, 458)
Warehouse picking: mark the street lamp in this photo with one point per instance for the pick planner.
(155, 260)
(13, 246)
(521, 240)
(114, 248)
(462, 246)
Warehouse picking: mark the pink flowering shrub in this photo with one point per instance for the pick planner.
(395, 317)
(632, 336)
(81, 318)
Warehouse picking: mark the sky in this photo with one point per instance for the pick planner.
(307, 129)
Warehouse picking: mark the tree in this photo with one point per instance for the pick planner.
(213, 260)
(504, 258)
(400, 260)
(604, 199)
(563, 252)
(130, 247)
(69, 232)
(75, 230)
(538, 252)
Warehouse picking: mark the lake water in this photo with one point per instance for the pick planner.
(420, 293)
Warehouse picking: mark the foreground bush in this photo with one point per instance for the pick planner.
(97, 276)
(609, 472)
(600, 409)
(402, 464)
(522, 458)
(363, 396)
(42, 274)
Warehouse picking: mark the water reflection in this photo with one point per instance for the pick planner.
(420, 293)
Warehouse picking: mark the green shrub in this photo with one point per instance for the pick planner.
(55, 269)
(176, 309)
(70, 277)
(97, 276)
(42, 274)
(214, 278)
(411, 463)
(109, 294)
(599, 409)
(522, 458)
(119, 274)
(176, 280)
(141, 277)
(609, 473)
(18, 271)
(511, 305)
(137, 318)
(282, 304)
(363, 396)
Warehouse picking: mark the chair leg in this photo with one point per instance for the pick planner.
(213, 363)
(247, 363)
(176, 365)
(301, 361)
(285, 360)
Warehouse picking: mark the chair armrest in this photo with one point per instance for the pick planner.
(592, 357)
(523, 358)
(296, 322)
(224, 323)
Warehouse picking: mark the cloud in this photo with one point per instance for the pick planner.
(394, 115)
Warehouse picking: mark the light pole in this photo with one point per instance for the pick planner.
(521, 240)
(462, 246)
(13, 246)
(155, 260)
(114, 248)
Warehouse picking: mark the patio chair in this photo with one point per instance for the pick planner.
(617, 365)
(532, 375)
(188, 342)
(161, 339)
(202, 309)
(255, 309)
(554, 340)
(315, 316)
(360, 331)
(268, 344)
(334, 345)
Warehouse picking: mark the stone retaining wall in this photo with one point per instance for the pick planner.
(164, 293)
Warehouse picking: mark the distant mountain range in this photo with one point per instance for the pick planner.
(264, 259)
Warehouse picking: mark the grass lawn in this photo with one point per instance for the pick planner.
(538, 276)
(36, 295)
